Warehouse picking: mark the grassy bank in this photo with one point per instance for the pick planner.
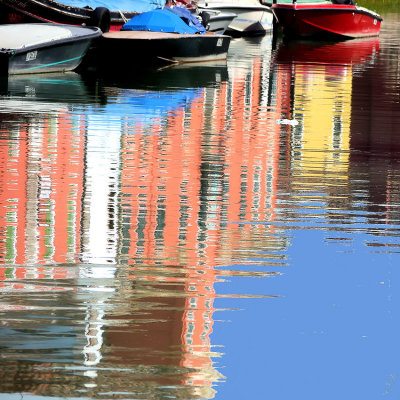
(380, 5)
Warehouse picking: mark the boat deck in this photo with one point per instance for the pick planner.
(19, 36)
(150, 35)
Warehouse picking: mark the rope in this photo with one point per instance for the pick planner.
(123, 16)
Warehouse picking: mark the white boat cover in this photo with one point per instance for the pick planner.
(18, 36)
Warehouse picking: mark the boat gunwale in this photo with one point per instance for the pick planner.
(325, 7)
(152, 35)
(243, 8)
(96, 33)
(118, 17)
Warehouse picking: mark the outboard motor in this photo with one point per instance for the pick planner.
(205, 18)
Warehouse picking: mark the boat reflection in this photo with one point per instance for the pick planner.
(199, 74)
(45, 87)
(350, 52)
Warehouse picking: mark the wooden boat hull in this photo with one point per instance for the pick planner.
(26, 11)
(127, 50)
(326, 20)
(250, 21)
(44, 56)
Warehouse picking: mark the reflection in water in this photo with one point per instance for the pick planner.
(117, 207)
(320, 108)
(334, 98)
(130, 207)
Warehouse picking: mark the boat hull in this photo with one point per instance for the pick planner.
(27, 11)
(54, 55)
(334, 21)
(219, 21)
(135, 49)
(250, 20)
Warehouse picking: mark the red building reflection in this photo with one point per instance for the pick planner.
(189, 198)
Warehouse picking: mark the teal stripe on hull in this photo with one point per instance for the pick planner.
(55, 63)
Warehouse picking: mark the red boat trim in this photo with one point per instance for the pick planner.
(315, 7)
(323, 20)
(35, 16)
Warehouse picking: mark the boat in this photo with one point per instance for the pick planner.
(253, 18)
(215, 20)
(42, 48)
(106, 14)
(164, 47)
(337, 20)
(109, 15)
(155, 38)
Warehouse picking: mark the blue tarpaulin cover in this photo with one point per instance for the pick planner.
(160, 20)
(118, 5)
(187, 17)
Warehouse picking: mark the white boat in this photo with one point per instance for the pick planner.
(216, 21)
(38, 48)
(252, 18)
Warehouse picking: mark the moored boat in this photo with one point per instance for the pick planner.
(213, 20)
(216, 21)
(252, 19)
(43, 48)
(106, 14)
(162, 47)
(332, 20)
(158, 37)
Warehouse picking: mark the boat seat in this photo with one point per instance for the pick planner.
(347, 2)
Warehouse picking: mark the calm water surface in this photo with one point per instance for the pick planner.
(225, 231)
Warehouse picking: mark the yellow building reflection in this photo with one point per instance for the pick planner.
(320, 119)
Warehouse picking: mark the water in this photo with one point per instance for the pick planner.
(224, 231)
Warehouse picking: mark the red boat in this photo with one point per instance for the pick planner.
(331, 20)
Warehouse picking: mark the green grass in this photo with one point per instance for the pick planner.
(381, 6)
